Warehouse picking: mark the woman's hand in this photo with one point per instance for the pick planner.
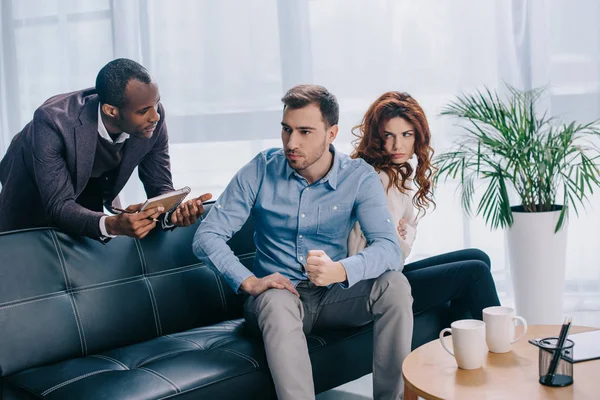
(402, 228)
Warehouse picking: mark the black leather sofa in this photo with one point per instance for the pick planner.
(144, 320)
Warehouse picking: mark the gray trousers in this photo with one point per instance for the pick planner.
(284, 321)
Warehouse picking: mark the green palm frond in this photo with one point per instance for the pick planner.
(507, 144)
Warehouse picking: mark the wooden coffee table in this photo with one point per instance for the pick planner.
(431, 373)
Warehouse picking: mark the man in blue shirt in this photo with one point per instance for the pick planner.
(305, 199)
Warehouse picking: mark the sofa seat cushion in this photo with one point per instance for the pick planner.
(201, 360)
(160, 368)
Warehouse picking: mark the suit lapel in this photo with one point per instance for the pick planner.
(86, 139)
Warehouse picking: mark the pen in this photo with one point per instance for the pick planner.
(564, 331)
(130, 212)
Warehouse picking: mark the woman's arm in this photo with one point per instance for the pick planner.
(409, 223)
(402, 210)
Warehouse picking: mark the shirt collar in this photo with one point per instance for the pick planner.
(104, 133)
(330, 178)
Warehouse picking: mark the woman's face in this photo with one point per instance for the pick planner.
(399, 139)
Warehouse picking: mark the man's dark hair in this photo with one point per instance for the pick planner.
(302, 95)
(112, 80)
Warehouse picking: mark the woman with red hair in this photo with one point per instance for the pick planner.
(393, 130)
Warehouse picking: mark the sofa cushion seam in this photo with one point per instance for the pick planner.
(63, 264)
(163, 355)
(103, 357)
(78, 378)
(161, 376)
(244, 356)
(142, 258)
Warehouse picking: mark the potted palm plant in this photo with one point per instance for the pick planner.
(510, 151)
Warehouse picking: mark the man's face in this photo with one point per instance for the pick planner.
(140, 115)
(305, 136)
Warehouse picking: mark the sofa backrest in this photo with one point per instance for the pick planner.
(63, 297)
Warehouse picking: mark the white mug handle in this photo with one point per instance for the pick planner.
(443, 342)
(515, 319)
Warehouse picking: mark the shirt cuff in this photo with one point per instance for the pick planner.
(354, 271)
(103, 231)
(235, 280)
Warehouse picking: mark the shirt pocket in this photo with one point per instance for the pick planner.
(333, 218)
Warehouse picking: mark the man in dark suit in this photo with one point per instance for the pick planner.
(78, 152)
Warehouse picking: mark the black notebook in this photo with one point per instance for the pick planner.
(587, 346)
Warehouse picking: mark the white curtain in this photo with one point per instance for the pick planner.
(222, 67)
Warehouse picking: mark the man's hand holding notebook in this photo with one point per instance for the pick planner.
(187, 213)
(138, 220)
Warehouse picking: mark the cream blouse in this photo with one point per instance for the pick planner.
(400, 206)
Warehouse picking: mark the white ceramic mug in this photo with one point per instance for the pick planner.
(500, 325)
(468, 340)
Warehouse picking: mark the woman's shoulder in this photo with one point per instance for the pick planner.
(385, 181)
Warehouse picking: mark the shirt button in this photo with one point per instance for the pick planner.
(388, 220)
(301, 258)
(299, 236)
(307, 188)
(335, 207)
(303, 215)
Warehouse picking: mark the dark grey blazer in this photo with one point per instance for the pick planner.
(49, 163)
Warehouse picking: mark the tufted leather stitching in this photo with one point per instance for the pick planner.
(248, 358)
(25, 300)
(107, 358)
(153, 372)
(149, 287)
(218, 338)
(107, 283)
(221, 293)
(207, 329)
(179, 270)
(53, 388)
(63, 265)
(91, 289)
(163, 355)
(154, 305)
(28, 301)
(32, 299)
(80, 323)
(186, 340)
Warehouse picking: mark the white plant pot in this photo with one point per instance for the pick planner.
(537, 266)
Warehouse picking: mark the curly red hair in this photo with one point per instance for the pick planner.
(370, 143)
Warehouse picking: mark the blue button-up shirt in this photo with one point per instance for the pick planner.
(292, 217)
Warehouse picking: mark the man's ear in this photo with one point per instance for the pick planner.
(332, 133)
(110, 111)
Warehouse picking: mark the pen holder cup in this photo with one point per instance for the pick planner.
(556, 370)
